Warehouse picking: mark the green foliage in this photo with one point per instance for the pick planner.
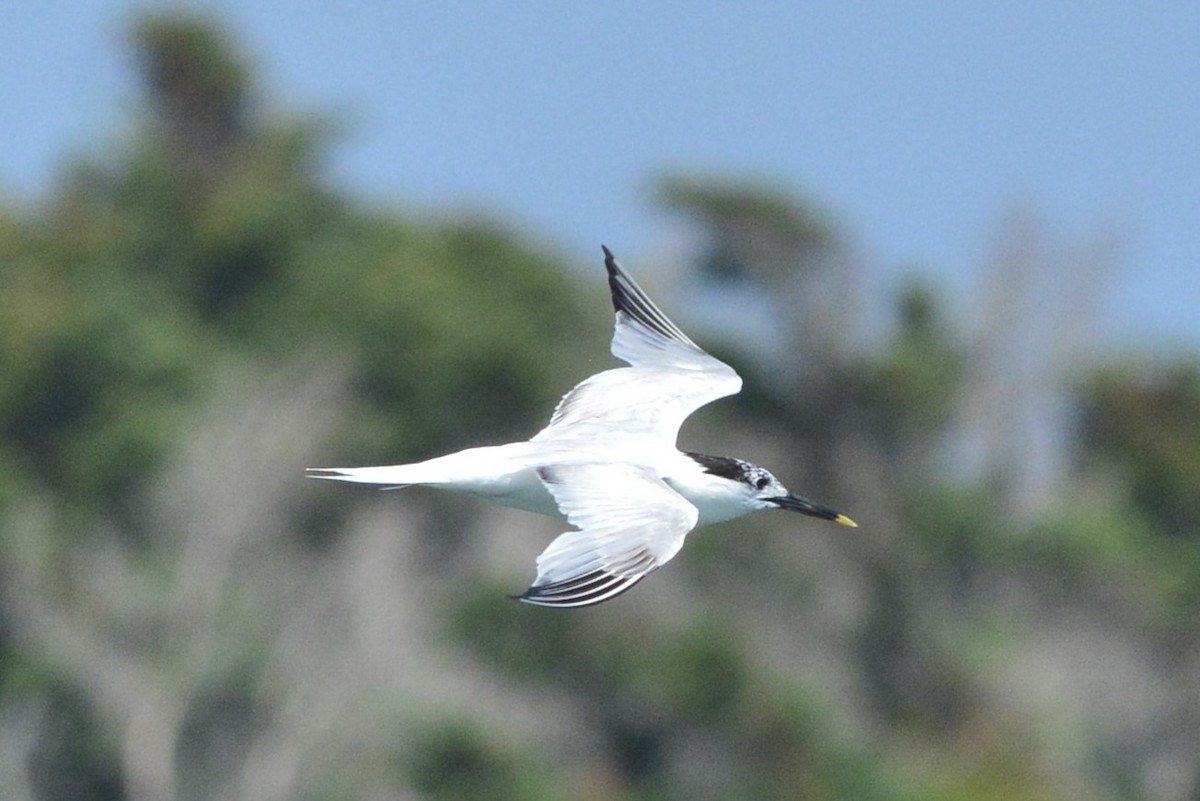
(995, 766)
(188, 56)
(1104, 545)
(456, 762)
(440, 324)
(1147, 422)
(652, 693)
(72, 760)
(957, 526)
(149, 272)
(910, 390)
(731, 202)
(756, 227)
(210, 245)
(96, 366)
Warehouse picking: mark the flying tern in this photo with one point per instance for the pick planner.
(607, 463)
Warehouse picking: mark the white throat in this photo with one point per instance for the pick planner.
(716, 497)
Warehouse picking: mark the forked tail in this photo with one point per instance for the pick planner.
(488, 470)
(443, 471)
(394, 477)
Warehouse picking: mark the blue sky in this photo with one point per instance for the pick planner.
(915, 124)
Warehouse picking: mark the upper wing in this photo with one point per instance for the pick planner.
(644, 335)
(629, 521)
(669, 378)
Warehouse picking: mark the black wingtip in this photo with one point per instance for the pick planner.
(532, 598)
(581, 591)
(529, 598)
(630, 299)
(620, 300)
(610, 264)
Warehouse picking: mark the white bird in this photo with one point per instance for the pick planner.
(608, 465)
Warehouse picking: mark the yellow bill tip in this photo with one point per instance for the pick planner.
(845, 521)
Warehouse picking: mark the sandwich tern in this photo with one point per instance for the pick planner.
(607, 463)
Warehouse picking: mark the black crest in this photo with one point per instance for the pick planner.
(725, 467)
(733, 469)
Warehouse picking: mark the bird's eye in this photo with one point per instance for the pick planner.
(762, 482)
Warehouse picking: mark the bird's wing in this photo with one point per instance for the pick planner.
(629, 521)
(669, 375)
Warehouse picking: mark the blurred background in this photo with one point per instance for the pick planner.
(950, 250)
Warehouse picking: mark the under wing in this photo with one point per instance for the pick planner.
(630, 523)
(669, 376)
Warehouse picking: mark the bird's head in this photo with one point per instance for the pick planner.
(757, 488)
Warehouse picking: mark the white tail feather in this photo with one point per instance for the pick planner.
(465, 470)
(393, 477)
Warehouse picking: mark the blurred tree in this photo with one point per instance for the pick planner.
(855, 424)
(1033, 333)
(210, 246)
(200, 93)
(759, 235)
(1145, 421)
(213, 238)
(910, 391)
(196, 643)
(454, 762)
(755, 231)
(780, 251)
(680, 713)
